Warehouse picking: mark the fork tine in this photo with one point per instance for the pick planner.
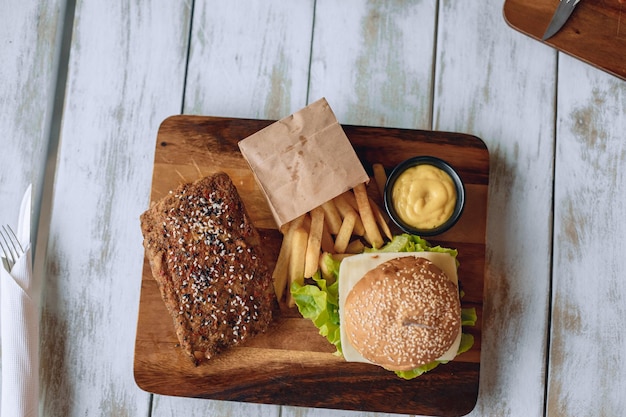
(8, 255)
(12, 248)
(15, 241)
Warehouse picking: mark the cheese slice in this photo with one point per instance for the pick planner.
(353, 268)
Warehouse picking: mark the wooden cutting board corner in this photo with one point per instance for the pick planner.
(595, 33)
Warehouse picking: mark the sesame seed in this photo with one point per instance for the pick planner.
(211, 265)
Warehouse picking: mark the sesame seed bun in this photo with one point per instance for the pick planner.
(403, 314)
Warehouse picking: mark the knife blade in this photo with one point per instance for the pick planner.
(562, 13)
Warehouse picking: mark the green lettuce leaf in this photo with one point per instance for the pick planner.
(414, 373)
(329, 267)
(412, 243)
(468, 316)
(467, 341)
(319, 303)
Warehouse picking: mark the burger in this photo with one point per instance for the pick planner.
(399, 310)
(398, 307)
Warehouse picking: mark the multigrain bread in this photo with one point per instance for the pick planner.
(403, 314)
(204, 255)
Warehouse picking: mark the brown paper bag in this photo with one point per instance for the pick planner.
(302, 161)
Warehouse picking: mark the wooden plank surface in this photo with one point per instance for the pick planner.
(358, 47)
(294, 365)
(115, 97)
(595, 32)
(249, 59)
(587, 351)
(28, 74)
(492, 82)
(425, 64)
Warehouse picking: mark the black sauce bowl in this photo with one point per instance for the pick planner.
(438, 163)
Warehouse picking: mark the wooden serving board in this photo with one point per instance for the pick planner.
(595, 32)
(292, 364)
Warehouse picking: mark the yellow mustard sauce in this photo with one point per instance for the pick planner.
(424, 196)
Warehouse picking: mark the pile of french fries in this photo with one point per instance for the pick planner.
(342, 227)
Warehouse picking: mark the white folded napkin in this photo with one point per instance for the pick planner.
(19, 319)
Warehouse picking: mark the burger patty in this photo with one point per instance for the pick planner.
(204, 256)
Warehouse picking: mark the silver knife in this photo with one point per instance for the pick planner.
(563, 12)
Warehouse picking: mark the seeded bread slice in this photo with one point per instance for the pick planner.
(204, 255)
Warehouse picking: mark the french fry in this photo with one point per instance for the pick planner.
(332, 217)
(296, 261)
(380, 219)
(367, 216)
(280, 275)
(328, 245)
(342, 204)
(342, 256)
(326, 273)
(297, 222)
(281, 270)
(354, 247)
(314, 242)
(351, 199)
(345, 232)
(380, 176)
(306, 222)
(344, 207)
(292, 224)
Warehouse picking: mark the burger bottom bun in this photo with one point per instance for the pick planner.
(403, 314)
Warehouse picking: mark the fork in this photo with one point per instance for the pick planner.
(11, 247)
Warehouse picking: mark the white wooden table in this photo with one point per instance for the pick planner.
(84, 86)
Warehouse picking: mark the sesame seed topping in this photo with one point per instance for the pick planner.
(414, 307)
(213, 270)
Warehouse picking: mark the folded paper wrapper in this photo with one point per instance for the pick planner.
(302, 161)
(19, 319)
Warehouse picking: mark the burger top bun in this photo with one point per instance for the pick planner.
(403, 314)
